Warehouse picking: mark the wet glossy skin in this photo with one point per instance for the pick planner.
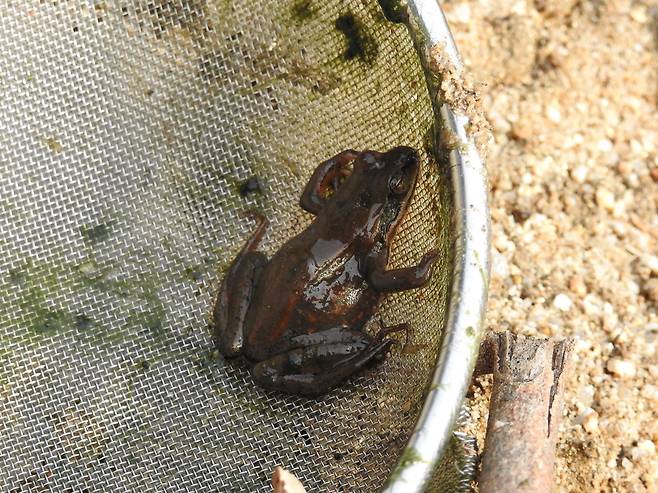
(298, 318)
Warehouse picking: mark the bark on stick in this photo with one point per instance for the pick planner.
(524, 414)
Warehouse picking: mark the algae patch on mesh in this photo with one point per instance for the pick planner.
(54, 145)
(302, 10)
(35, 286)
(94, 234)
(359, 43)
(37, 289)
(409, 456)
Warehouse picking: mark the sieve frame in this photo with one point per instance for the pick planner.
(471, 268)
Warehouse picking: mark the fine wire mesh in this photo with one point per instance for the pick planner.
(457, 469)
(126, 128)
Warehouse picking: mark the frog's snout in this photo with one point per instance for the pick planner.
(405, 157)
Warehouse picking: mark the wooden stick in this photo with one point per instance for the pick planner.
(524, 414)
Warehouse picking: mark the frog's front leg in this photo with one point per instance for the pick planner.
(325, 360)
(327, 173)
(236, 291)
(390, 281)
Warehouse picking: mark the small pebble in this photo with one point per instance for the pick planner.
(621, 368)
(653, 370)
(654, 174)
(553, 113)
(499, 266)
(633, 287)
(650, 392)
(590, 420)
(610, 322)
(620, 228)
(649, 350)
(639, 14)
(579, 174)
(604, 145)
(462, 13)
(651, 289)
(644, 448)
(651, 261)
(624, 167)
(593, 305)
(605, 198)
(577, 286)
(618, 209)
(636, 147)
(562, 302)
(582, 344)
(586, 395)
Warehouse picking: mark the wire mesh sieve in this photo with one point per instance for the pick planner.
(127, 131)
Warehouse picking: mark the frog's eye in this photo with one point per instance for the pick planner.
(396, 184)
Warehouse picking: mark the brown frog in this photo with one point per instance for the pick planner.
(299, 317)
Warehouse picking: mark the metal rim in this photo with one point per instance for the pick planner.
(471, 265)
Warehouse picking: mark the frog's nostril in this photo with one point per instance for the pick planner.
(412, 159)
(404, 152)
(407, 156)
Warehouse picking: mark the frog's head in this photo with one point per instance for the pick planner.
(390, 179)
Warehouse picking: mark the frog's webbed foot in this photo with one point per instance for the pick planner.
(236, 291)
(327, 174)
(316, 368)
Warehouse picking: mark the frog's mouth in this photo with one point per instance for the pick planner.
(390, 216)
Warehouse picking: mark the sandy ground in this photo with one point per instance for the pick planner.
(571, 93)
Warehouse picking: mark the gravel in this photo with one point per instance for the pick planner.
(571, 93)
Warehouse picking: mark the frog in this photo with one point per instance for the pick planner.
(299, 318)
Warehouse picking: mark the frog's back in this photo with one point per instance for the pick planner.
(309, 285)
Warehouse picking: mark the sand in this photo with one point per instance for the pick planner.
(571, 94)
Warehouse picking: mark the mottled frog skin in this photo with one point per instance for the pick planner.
(298, 317)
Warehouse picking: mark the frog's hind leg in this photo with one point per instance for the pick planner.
(236, 291)
(314, 369)
(392, 329)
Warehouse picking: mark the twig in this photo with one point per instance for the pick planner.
(526, 405)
